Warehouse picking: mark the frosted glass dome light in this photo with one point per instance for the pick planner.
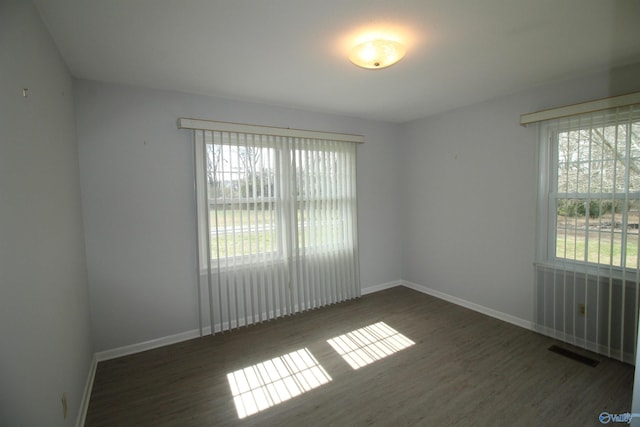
(376, 54)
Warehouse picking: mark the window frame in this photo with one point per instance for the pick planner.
(271, 257)
(283, 164)
(549, 154)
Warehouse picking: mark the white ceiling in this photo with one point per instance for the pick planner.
(294, 52)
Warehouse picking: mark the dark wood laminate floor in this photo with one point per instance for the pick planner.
(465, 369)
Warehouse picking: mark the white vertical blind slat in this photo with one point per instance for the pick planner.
(225, 225)
(261, 247)
(311, 222)
(336, 229)
(585, 254)
(298, 234)
(198, 188)
(625, 222)
(612, 242)
(336, 249)
(208, 237)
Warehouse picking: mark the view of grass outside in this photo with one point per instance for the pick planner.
(242, 231)
(572, 247)
(602, 244)
(235, 245)
(236, 216)
(251, 232)
(242, 186)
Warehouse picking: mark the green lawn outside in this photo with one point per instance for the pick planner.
(573, 247)
(262, 237)
(235, 218)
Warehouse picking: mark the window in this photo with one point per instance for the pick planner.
(277, 221)
(587, 283)
(594, 197)
(264, 192)
(241, 195)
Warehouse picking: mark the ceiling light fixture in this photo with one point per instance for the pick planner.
(376, 54)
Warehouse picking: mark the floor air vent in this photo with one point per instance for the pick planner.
(575, 356)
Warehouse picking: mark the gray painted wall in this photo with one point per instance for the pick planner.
(137, 184)
(469, 198)
(45, 344)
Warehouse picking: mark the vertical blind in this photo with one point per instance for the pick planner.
(277, 230)
(587, 257)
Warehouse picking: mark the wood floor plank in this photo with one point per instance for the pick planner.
(464, 369)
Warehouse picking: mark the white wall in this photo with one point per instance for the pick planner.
(418, 184)
(45, 345)
(136, 175)
(470, 193)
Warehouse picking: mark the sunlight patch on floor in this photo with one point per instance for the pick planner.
(366, 345)
(274, 381)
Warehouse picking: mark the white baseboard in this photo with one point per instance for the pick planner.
(471, 305)
(380, 287)
(149, 345)
(183, 336)
(195, 333)
(86, 395)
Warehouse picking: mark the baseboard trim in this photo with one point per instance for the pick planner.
(86, 395)
(149, 345)
(184, 336)
(195, 333)
(380, 287)
(471, 305)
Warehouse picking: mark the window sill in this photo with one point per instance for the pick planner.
(590, 270)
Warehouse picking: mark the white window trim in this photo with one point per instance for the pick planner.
(547, 216)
